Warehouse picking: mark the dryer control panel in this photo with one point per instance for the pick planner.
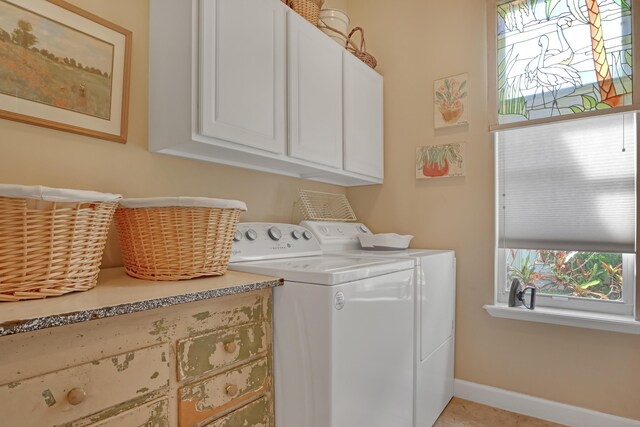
(265, 240)
(335, 235)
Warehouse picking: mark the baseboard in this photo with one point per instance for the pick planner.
(561, 413)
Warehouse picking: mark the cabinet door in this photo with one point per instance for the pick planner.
(315, 94)
(242, 72)
(363, 119)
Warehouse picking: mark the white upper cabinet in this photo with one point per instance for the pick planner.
(251, 84)
(363, 119)
(243, 74)
(315, 94)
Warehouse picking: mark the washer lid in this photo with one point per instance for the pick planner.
(324, 270)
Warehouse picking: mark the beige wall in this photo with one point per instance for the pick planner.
(336, 4)
(415, 43)
(34, 155)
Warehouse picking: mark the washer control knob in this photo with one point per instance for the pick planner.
(363, 228)
(307, 235)
(237, 237)
(251, 234)
(275, 233)
(296, 234)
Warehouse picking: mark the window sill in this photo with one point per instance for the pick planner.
(580, 319)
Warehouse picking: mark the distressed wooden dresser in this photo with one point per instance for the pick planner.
(138, 353)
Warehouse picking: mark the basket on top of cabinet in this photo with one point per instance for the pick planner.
(177, 238)
(52, 240)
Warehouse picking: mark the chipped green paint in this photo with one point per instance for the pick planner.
(160, 328)
(155, 375)
(48, 398)
(255, 414)
(163, 357)
(249, 312)
(124, 365)
(95, 362)
(198, 355)
(116, 410)
(160, 415)
(142, 390)
(248, 378)
(13, 384)
(202, 316)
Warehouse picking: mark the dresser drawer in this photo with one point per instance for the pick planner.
(255, 414)
(74, 393)
(210, 398)
(152, 414)
(205, 353)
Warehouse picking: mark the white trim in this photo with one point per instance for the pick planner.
(579, 319)
(537, 407)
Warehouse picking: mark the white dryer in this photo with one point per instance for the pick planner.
(343, 330)
(434, 329)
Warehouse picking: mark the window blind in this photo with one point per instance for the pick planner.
(569, 185)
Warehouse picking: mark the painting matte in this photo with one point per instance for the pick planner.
(47, 62)
(440, 161)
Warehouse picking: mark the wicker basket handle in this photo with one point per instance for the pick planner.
(363, 43)
(323, 26)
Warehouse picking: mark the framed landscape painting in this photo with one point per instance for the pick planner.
(64, 68)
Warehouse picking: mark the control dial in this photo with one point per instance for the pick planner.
(307, 235)
(237, 237)
(275, 233)
(296, 234)
(251, 234)
(363, 229)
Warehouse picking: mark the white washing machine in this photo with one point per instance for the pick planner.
(434, 333)
(343, 330)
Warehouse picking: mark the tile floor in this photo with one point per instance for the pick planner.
(463, 413)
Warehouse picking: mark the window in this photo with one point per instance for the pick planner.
(564, 112)
(566, 212)
(559, 59)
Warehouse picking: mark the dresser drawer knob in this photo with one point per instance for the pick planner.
(230, 347)
(76, 396)
(231, 389)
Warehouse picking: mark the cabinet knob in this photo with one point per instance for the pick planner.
(230, 346)
(231, 389)
(76, 396)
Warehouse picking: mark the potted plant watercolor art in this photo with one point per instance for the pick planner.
(450, 97)
(439, 161)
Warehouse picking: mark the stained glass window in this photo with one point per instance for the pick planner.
(561, 57)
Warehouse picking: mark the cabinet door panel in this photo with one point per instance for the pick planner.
(242, 72)
(315, 94)
(363, 119)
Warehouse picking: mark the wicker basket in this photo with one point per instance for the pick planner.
(52, 240)
(177, 238)
(308, 9)
(360, 51)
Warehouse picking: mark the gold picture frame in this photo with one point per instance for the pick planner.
(64, 68)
